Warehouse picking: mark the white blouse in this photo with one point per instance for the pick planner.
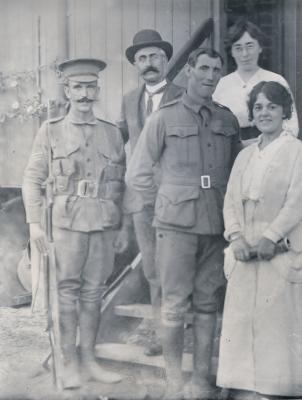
(233, 92)
(257, 166)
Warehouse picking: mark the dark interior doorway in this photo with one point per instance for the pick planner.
(268, 15)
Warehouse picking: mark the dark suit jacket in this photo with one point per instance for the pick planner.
(131, 118)
(131, 124)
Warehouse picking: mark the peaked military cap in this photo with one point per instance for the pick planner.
(148, 38)
(82, 69)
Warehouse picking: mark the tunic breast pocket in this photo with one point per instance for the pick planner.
(223, 136)
(182, 147)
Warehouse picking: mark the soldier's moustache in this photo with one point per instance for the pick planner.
(85, 100)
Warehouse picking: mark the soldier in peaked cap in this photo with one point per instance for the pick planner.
(150, 54)
(88, 165)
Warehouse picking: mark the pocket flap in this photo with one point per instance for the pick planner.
(178, 193)
(182, 131)
(103, 154)
(221, 128)
(71, 148)
(114, 172)
(60, 150)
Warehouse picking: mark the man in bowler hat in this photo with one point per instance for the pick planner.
(150, 54)
(88, 165)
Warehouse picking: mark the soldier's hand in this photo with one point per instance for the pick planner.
(122, 241)
(37, 235)
(266, 249)
(241, 249)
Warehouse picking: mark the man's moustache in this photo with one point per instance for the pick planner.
(150, 69)
(85, 100)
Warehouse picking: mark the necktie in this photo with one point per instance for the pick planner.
(149, 107)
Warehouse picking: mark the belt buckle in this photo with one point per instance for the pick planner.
(205, 181)
(87, 188)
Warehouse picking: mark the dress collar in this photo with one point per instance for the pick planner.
(243, 83)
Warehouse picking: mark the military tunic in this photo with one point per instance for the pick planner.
(87, 168)
(88, 165)
(195, 146)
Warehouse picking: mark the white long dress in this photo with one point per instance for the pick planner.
(261, 341)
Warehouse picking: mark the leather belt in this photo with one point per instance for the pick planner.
(204, 181)
(88, 188)
(81, 188)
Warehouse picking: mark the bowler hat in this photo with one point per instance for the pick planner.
(148, 38)
(82, 69)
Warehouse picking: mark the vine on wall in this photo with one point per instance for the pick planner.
(24, 95)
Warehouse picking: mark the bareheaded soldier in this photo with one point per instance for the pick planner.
(86, 158)
(195, 141)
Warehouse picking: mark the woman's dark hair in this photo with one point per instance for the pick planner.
(274, 92)
(239, 28)
(193, 56)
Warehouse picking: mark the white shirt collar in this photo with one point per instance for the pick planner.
(155, 88)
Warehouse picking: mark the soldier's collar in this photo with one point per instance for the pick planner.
(190, 103)
(75, 121)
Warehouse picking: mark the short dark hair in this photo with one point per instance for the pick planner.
(274, 92)
(237, 30)
(193, 56)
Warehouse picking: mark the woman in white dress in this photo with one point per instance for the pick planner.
(261, 341)
(245, 42)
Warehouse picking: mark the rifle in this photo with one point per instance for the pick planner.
(50, 278)
(113, 288)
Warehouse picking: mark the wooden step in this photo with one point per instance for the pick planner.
(135, 355)
(21, 300)
(141, 311)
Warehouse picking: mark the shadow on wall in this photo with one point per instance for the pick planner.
(13, 240)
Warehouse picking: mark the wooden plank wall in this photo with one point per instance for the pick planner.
(292, 57)
(32, 40)
(43, 32)
(105, 28)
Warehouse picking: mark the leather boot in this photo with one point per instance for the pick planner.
(89, 324)
(200, 387)
(68, 331)
(155, 348)
(173, 342)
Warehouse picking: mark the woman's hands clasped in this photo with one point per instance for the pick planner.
(241, 249)
(265, 250)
